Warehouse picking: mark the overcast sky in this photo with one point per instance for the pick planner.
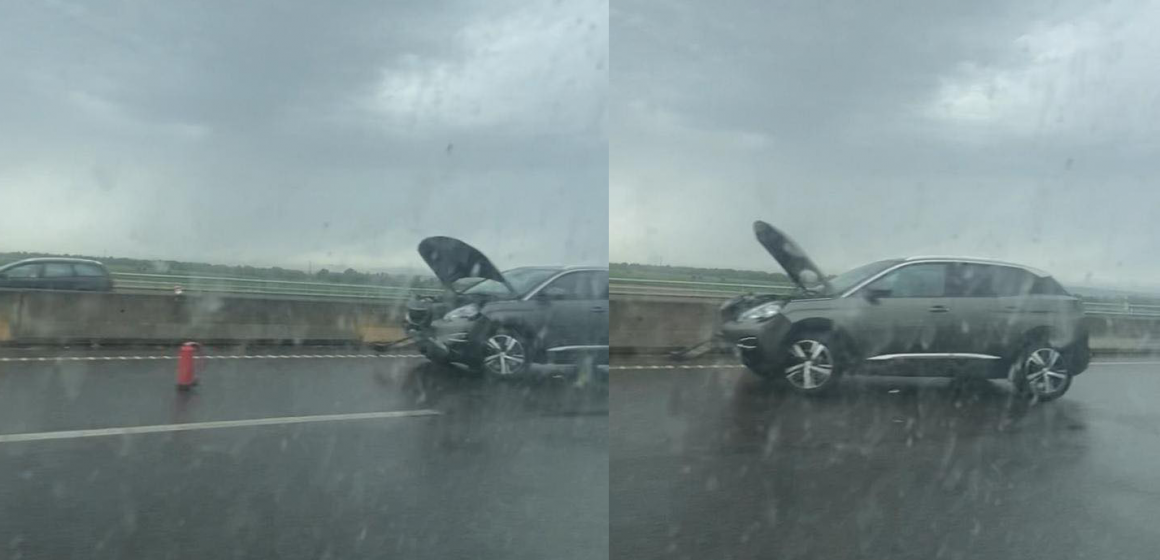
(1027, 131)
(295, 132)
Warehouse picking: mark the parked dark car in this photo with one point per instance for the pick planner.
(56, 274)
(937, 311)
(502, 322)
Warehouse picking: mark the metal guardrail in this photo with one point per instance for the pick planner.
(721, 290)
(169, 283)
(174, 283)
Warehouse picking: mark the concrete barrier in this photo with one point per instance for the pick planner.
(62, 317)
(658, 324)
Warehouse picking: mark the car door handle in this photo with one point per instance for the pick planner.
(599, 309)
(938, 309)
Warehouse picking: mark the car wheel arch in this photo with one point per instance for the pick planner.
(522, 327)
(821, 324)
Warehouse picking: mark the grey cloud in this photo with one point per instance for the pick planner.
(261, 132)
(1019, 131)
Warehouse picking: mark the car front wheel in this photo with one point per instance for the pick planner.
(506, 353)
(1042, 372)
(812, 365)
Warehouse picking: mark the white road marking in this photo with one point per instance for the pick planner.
(675, 366)
(215, 357)
(195, 426)
(1125, 363)
(738, 366)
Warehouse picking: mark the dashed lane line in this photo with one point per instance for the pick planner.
(674, 366)
(195, 426)
(217, 357)
(738, 366)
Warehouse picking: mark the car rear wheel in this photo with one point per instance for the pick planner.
(506, 353)
(813, 364)
(1042, 372)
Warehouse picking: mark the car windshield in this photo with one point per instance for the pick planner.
(521, 280)
(851, 278)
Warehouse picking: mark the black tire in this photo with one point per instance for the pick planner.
(1041, 371)
(505, 352)
(808, 369)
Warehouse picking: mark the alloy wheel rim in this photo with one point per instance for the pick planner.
(1046, 371)
(504, 354)
(813, 364)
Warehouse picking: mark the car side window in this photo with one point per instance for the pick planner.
(602, 285)
(916, 280)
(57, 270)
(88, 270)
(579, 285)
(971, 280)
(25, 271)
(1013, 281)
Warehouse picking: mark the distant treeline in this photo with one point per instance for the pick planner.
(693, 274)
(348, 276)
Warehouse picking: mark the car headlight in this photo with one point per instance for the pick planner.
(761, 312)
(469, 311)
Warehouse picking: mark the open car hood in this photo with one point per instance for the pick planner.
(452, 260)
(797, 265)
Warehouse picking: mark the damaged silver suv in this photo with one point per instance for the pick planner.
(500, 323)
(917, 316)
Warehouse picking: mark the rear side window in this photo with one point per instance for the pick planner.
(57, 270)
(1013, 281)
(971, 280)
(916, 280)
(582, 285)
(85, 269)
(1048, 286)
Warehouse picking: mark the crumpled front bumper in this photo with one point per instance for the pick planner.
(757, 342)
(447, 340)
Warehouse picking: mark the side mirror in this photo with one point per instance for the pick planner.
(874, 295)
(552, 293)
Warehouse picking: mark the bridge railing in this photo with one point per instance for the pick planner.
(142, 282)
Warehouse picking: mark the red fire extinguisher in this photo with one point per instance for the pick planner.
(186, 366)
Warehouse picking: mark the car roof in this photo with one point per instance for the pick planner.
(560, 268)
(36, 260)
(975, 260)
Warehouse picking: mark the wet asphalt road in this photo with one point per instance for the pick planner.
(713, 463)
(512, 470)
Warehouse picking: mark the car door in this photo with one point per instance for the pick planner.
(57, 276)
(1025, 302)
(91, 277)
(597, 331)
(573, 309)
(23, 277)
(974, 321)
(905, 312)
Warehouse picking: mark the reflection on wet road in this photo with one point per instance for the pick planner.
(387, 458)
(713, 463)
